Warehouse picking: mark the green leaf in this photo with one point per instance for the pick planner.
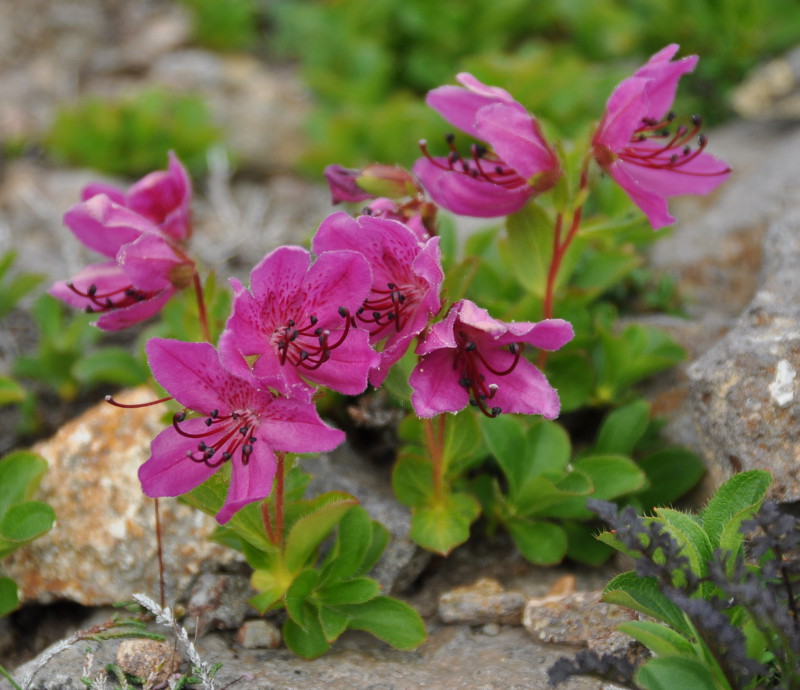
(548, 449)
(309, 531)
(583, 546)
(351, 547)
(9, 596)
(333, 623)
(389, 620)
(542, 543)
(677, 673)
(690, 536)
(307, 638)
(659, 639)
(462, 443)
(612, 475)
(20, 474)
(530, 243)
(505, 438)
(412, 480)
(442, 526)
(26, 521)
(542, 497)
(10, 391)
(671, 472)
(643, 594)
(271, 584)
(110, 365)
(354, 591)
(622, 429)
(299, 593)
(602, 270)
(742, 493)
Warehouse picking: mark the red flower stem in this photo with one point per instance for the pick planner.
(160, 549)
(201, 307)
(435, 442)
(267, 523)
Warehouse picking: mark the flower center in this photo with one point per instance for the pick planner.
(389, 307)
(673, 149)
(472, 363)
(484, 164)
(226, 436)
(307, 346)
(115, 299)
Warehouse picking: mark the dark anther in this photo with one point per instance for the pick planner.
(214, 414)
(391, 286)
(226, 455)
(498, 169)
(673, 158)
(464, 381)
(702, 140)
(670, 116)
(343, 312)
(687, 150)
(210, 452)
(360, 310)
(294, 335)
(470, 346)
(376, 315)
(92, 290)
(252, 439)
(513, 347)
(243, 430)
(449, 137)
(281, 345)
(180, 416)
(201, 447)
(290, 323)
(472, 402)
(401, 298)
(391, 316)
(313, 319)
(246, 450)
(88, 309)
(496, 411)
(303, 355)
(480, 150)
(209, 421)
(697, 120)
(318, 331)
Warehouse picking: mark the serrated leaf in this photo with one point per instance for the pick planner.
(388, 619)
(677, 673)
(643, 594)
(9, 596)
(689, 536)
(442, 526)
(541, 542)
(309, 531)
(622, 429)
(659, 639)
(741, 492)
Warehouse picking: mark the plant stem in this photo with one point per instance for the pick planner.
(201, 307)
(435, 441)
(160, 548)
(267, 521)
(8, 677)
(279, 490)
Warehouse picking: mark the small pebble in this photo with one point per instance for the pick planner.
(149, 659)
(484, 601)
(258, 634)
(491, 629)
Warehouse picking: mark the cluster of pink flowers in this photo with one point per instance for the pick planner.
(343, 316)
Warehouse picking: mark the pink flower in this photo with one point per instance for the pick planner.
(145, 270)
(472, 358)
(242, 422)
(406, 278)
(163, 197)
(296, 318)
(633, 142)
(493, 182)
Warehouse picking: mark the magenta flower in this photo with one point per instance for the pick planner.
(634, 143)
(145, 269)
(296, 318)
(163, 197)
(406, 278)
(242, 422)
(494, 181)
(472, 358)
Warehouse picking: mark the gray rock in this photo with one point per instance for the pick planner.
(483, 602)
(745, 389)
(218, 602)
(258, 634)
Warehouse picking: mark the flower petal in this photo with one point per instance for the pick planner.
(148, 261)
(435, 384)
(106, 277)
(126, 317)
(249, 483)
(294, 426)
(525, 390)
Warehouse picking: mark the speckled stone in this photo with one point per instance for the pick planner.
(103, 546)
(149, 659)
(258, 634)
(484, 601)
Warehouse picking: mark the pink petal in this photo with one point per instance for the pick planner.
(114, 193)
(436, 387)
(342, 184)
(293, 426)
(663, 77)
(249, 483)
(163, 197)
(515, 137)
(525, 390)
(148, 261)
(652, 204)
(550, 334)
(624, 112)
(280, 274)
(107, 276)
(466, 196)
(169, 471)
(104, 226)
(126, 317)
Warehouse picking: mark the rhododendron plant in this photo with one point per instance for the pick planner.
(497, 181)
(242, 422)
(163, 197)
(406, 278)
(296, 319)
(637, 144)
(472, 358)
(145, 271)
